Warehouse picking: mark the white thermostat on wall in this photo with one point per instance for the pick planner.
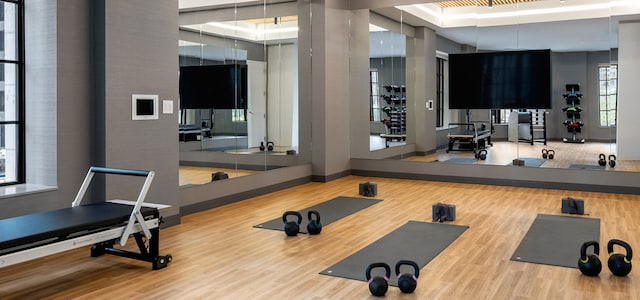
(144, 107)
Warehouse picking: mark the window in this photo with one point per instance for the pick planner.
(440, 88)
(608, 79)
(374, 114)
(11, 92)
(238, 115)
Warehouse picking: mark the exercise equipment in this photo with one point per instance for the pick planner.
(101, 224)
(612, 160)
(572, 206)
(590, 265)
(481, 154)
(378, 285)
(619, 264)
(551, 154)
(314, 226)
(407, 282)
(545, 153)
(219, 176)
(602, 159)
(367, 189)
(270, 146)
(291, 228)
(471, 138)
(574, 126)
(262, 146)
(441, 212)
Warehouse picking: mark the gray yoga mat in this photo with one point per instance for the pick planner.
(330, 211)
(556, 240)
(461, 160)
(416, 241)
(586, 167)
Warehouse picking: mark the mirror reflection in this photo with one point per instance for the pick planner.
(575, 126)
(238, 89)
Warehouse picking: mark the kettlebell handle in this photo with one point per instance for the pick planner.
(585, 246)
(313, 213)
(291, 213)
(372, 266)
(624, 244)
(612, 157)
(416, 268)
(602, 156)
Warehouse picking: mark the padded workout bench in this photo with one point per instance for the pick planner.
(102, 224)
(470, 139)
(390, 137)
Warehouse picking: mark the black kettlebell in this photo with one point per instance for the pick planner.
(314, 226)
(378, 285)
(619, 264)
(550, 154)
(482, 154)
(545, 153)
(407, 282)
(612, 161)
(291, 228)
(261, 146)
(590, 265)
(602, 159)
(270, 146)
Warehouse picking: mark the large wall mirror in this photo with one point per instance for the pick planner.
(576, 123)
(238, 111)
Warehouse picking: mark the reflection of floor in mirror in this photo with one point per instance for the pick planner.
(566, 155)
(200, 175)
(377, 143)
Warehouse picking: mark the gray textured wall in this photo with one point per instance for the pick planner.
(133, 30)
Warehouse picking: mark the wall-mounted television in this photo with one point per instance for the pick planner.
(500, 80)
(213, 86)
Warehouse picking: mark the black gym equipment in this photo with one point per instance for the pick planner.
(378, 285)
(612, 160)
(407, 282)
(262, 146)
(270, 146)
(481, 154)
(602, 159)
(574, 126)
(590, 265)
(291, 228)
(219, 176)
(101, 224)
(551, 154)
(545, 153)
(314, 226)
(619, 264)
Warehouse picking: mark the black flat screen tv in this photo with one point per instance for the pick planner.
(500, 80)
(213, 87)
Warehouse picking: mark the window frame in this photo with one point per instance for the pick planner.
(606, 96)
(19, 62)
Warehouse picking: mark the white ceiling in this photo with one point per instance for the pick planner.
(572, 25)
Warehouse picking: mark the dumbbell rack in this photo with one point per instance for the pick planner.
(574, 126)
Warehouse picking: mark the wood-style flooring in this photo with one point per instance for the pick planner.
(219, 255)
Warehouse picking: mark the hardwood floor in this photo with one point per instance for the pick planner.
(219, 255)
(201, 175)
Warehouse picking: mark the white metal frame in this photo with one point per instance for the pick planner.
(135, 224)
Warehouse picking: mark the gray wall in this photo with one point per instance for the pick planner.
(130, 32)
